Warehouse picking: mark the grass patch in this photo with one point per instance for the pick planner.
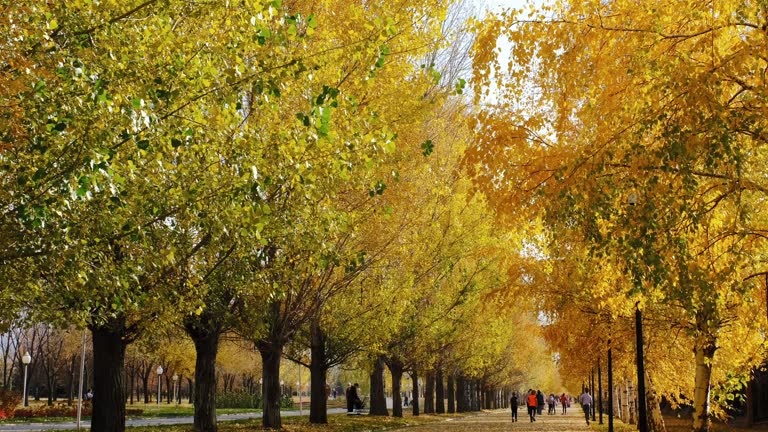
(336, 423)
(676, 424)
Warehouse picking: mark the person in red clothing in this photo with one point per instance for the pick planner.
(532, 405)
(564, 402)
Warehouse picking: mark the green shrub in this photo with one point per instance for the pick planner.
(237, 399)
(286, 401)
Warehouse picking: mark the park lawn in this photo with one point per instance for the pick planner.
(336, 423)
(675, 424)
(163, 410)
(149, 411)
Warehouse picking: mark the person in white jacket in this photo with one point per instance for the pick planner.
(586, 403)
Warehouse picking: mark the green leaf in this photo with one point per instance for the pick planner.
(143, 144)
(311, 21)
(427, 148)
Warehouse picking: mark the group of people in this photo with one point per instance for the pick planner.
(354, 403)
(535, 400)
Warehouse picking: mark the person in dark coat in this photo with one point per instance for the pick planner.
(348, 396)
(513, 402)
(539, 401)
(357, 403)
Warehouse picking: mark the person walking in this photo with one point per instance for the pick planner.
(513, 402)
(350, 401)
(564, 402)
(586, 403)
(532, 405)
(551, 404)
(539, 402)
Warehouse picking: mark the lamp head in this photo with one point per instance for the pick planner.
(175, 377)
(159, 370)
(26, 358)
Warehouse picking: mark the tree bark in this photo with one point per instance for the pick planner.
(72, 370)
(131, 381)
(190, 387)
(270, 360)
(378, 400)
(655, 419)
(451, 394)
(439, 392)
(145, 373)
(207, 348)
(429, 393)
(461, 394)
(415, 399)
(624, 400)
(318, 405)
(109, 342)
(396, 370)
(705, 352)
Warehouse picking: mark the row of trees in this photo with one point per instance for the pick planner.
(633, 139)
(287, 172)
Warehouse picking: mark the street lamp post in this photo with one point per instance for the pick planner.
(26, 359)
(175, 388)
(159, 381)
(282, 388)
(301, 401)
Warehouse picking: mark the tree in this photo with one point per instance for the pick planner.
(654, 103)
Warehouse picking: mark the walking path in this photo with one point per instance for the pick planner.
(501, 421)
(154, 421)
(496, 421)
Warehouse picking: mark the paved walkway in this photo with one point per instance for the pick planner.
(154, 421)
(496, 421)
(501, 421)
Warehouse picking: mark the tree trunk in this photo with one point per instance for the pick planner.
(131, 381)
(655, 420)
(705, 352)
(624, 400)
(168, 387)
(429, 393)
(145, 383)
(270, 389)
(72, 370)
(396, 370)
(451, 395)
(378, 400)
(439, 392)
(461, 394)
(109, 342)
(415, 398)
(318, 404)
(206, 349)
(190, 387)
